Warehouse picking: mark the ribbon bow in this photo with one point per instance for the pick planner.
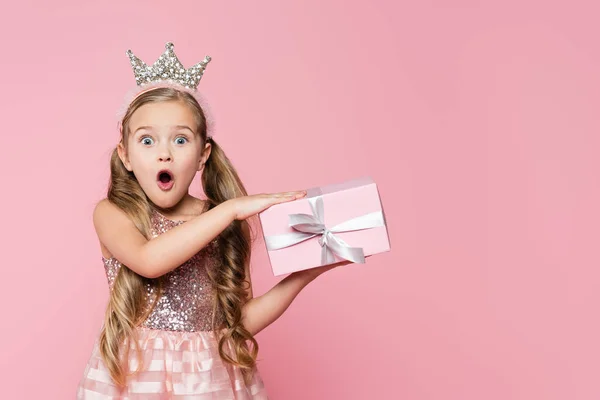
(308, 226)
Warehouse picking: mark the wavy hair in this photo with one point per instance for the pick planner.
(127, 307)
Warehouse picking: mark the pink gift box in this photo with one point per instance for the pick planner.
(332, 223)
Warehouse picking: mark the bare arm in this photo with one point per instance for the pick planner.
(153, 258)
(262, 311)
(156, 257)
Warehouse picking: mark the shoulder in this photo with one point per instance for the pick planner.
(108, 214)
(101, 204)
(102, 212)
(104, 209)
(118, 235)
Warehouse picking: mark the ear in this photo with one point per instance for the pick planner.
(123, 156)
(205, 155)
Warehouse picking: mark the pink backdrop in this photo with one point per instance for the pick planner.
(479, 124)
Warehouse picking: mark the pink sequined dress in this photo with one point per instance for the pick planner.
(180, 351)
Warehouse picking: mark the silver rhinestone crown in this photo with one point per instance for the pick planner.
(167, 67)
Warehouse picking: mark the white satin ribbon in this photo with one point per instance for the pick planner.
(309, 226)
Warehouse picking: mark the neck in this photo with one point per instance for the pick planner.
(188, 206)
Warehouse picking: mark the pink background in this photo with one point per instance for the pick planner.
(479, 123)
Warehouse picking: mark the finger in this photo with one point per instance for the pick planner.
(284, 199)
(298, 193)
(283, 195)
(287, 196)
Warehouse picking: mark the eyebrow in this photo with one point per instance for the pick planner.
(176, 127)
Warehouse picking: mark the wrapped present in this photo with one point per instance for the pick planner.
(330, 224)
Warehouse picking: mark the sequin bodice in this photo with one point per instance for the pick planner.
(186, 302)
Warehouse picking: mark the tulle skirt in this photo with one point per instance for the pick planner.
(177, 365)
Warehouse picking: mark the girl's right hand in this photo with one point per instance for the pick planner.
(246, 206)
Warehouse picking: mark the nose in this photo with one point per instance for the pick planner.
(164, 154)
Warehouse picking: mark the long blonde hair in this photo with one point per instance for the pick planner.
(127, 306)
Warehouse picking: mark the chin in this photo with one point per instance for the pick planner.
(165, 200)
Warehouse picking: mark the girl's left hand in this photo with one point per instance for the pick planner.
(325, 268)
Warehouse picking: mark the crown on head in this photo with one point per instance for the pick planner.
(167, 67)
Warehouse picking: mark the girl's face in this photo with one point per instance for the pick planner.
(164, 152)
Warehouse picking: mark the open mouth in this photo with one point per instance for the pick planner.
(165, 179)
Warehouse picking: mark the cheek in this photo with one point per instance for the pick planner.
(192, 159)
(141, 163)
(135, 160)
(190, 164)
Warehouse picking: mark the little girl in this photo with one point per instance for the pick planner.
(181, 317)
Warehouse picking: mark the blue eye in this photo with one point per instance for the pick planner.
(144, 140)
